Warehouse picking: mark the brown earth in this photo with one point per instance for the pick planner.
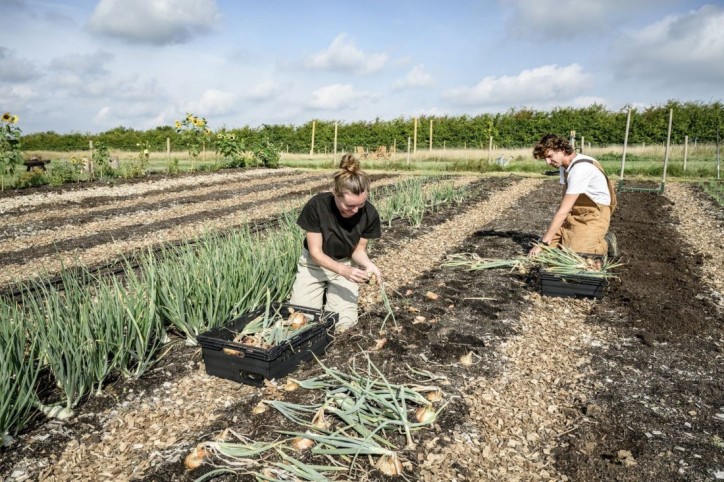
(641, 372)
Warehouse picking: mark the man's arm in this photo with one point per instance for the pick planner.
(566, 205)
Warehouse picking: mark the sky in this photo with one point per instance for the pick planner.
(92, 65)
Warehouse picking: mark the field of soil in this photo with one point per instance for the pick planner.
(626, 388)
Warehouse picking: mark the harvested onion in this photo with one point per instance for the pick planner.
(467, 360)
(291, 385)
(196, 457)
(302, 443)
(297, 320)
(434, 396)
(372, 280)
(259, 408)
(389, 465)
(425, 414)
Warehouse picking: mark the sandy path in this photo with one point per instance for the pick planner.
(703, 234)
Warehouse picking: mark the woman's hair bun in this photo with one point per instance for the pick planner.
(349, 163)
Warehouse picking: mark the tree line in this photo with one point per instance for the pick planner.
(702, 122)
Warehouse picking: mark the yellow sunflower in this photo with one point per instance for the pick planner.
(7, 117)
(178, 124)
(14, 120)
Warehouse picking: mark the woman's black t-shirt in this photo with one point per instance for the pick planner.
(339, 235)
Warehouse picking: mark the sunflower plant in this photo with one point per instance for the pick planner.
(9, 146)
(231, 149)
(193, 131)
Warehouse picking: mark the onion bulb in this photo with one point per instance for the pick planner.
(467, 360)
(319, 420)
(302, 443)
(372, 280)
(297, 320)
(389, 465)
(425, 414)
(434, 396)
(56, 411)
(259, 408)
(291, 385)
(196, 457)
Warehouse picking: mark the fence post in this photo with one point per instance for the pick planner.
(335, 143)
(490, 148)
(408, 150)
(314, 126)
(686, 150)
(414, 140)
(430, 135)
(668, 144)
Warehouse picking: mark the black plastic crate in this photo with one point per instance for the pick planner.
(251, 365)
(581, 286)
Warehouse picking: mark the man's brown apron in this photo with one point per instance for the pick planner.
(586, 225)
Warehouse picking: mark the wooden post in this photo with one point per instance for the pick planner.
(90, 160)
(314, 126)
(686, 150)
(490, 148)
(718, 154)
(408, 150)
(583, 143)
(668, 144)
(168, 148)
(625, 143)
(572, 140)
(430, 135)
(414, 140)
(335, 143)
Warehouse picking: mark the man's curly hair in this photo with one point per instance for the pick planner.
(551, 142)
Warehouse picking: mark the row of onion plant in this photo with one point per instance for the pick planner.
(89, 328)
(412, 198)
(362, 415)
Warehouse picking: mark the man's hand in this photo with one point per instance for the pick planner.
(535, 250)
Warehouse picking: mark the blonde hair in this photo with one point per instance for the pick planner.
(350, 178)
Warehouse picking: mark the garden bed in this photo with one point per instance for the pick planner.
(614, 389)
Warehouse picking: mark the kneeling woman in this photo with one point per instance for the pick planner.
(334, 259)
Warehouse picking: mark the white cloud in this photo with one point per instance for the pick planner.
(561, 19)
(212, 102)
(417, 77)
(15, 69)
(263, 91)
(677, 50)
(339, 96)
(102, 115)
(157, 22)
(542, 84)
(343, 56)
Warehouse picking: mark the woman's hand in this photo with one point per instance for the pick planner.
(355, 275)
(372, 269)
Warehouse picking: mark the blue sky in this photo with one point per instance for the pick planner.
(89, 66)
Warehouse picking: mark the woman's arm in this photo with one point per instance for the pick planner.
(359, 256)
(314, 245)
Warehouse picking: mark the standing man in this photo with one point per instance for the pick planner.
(334, 259)
(583, 217)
